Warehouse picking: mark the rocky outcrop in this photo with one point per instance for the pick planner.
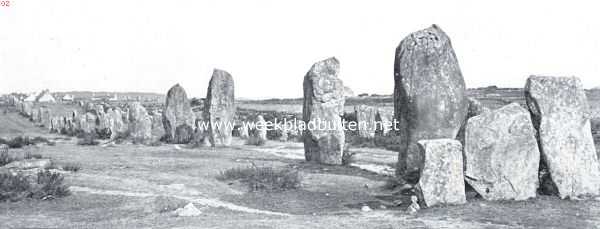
(323, 106)
(429, 94)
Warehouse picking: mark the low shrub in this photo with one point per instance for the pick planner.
(5, 158)
(263, 178)
(29, 155)
(20, 141)
(103, 133)
(14, 187)
(48, 185)
(71, 167)
(348, 156)
(87, 139)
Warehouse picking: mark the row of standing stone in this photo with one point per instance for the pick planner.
(176, 124)
(503, 148)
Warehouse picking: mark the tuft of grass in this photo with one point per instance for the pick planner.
(263, 178)
(71, 167)
(20, 141)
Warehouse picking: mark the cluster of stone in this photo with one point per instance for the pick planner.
(504, 148)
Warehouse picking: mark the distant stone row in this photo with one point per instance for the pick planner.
(176, 124)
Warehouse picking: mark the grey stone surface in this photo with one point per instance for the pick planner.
(561, 115)
(366, 117)
(441, 179)
(502, 155)
(220, 108)
(140, 124)
(429, 94)
(178, 119)
(324, 104)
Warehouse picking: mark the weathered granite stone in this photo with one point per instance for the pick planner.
(502, 155)
(261, 128)
(117, 126)
(365, 117)
(429, 94)
(178, 119)
(441, 178)
(385, 122)
(322, 110)
(560, 114)
(243, 129)
(158, 130)
(87, 123)
(220, 108)
(258, 132)
(140, 124)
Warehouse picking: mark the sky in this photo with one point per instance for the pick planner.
(268, 46)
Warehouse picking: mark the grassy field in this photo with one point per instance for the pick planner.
(122, 186)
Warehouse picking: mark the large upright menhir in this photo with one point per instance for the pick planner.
(429, 94)
(177, 118)
(323, 106)
(560, 114)
(220, 108)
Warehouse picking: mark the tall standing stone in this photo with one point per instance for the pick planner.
(117, 125)
(561, 115)
(158, 129)
(140, 124)
(323, 106)
(220, 108)
(258, 135)
(429, 94)
(385, 122)
(366, 117)
(178, 119)
(441, 180)
(502, 155)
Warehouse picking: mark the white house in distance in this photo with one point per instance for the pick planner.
(68, 98)
(41, 97)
